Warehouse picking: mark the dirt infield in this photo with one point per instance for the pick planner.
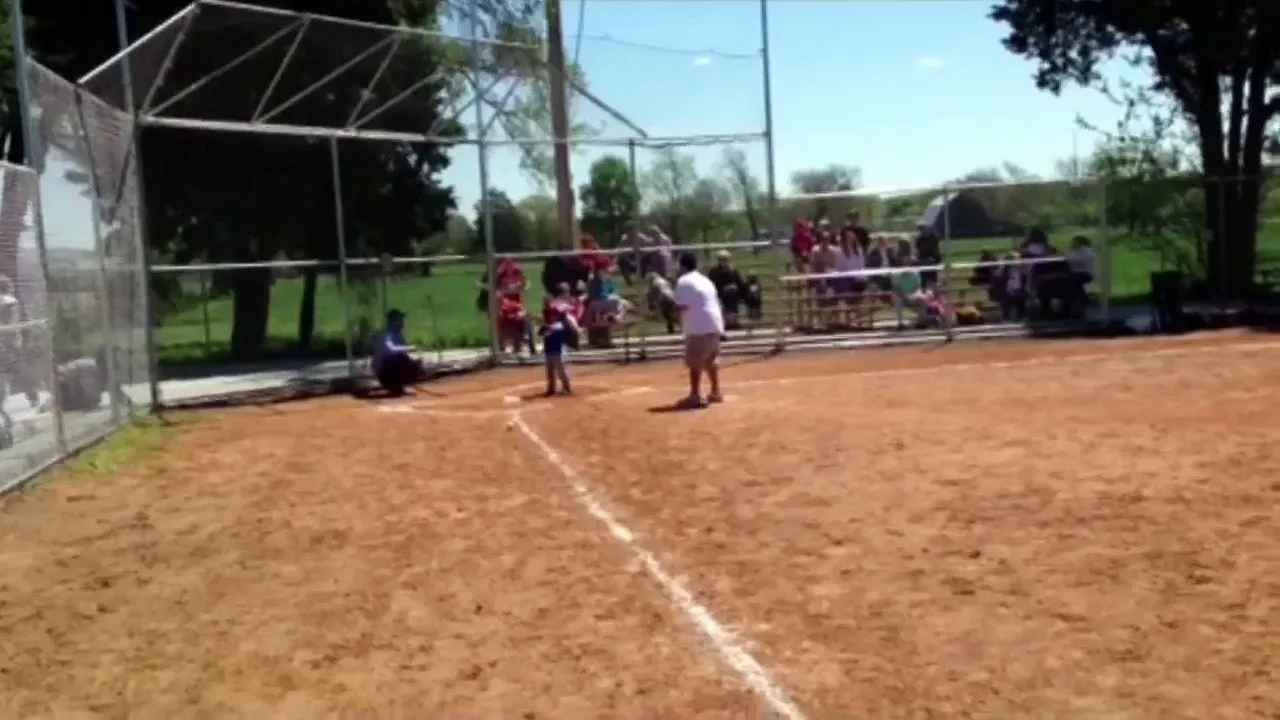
(1040, 528)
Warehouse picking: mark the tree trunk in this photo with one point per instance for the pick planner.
(251, 300)
(307, 312)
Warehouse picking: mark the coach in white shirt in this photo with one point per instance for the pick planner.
(703, 324)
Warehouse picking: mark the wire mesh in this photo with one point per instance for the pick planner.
(80, 361)
(29, 437)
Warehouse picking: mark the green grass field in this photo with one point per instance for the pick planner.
(442, 311)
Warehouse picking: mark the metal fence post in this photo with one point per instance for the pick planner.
(339, 218)
(1108, 273)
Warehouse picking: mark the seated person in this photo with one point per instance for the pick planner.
(986, 275)
(730, 287)
(928, 251)
(605, 306)
(1080, 260)
(912, 291)
(1012, 281)
(391, 362)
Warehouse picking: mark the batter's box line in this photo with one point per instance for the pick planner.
(724, 641)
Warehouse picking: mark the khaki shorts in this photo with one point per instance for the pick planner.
(701, 351)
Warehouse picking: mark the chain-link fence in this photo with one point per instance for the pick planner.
(74, 356)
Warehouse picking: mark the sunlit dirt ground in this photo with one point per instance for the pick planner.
(1042, 529)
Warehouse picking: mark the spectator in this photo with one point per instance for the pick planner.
(802, 244)
(1047, 278)
(657, 258)
(1080, 261)
(906, 289)
(821, 262)
(1036, 244)
(1012, 279)
(565, 267)
(730, 287)
(509, 281)
(604, 305)
(515, 327)
(392, 362)
(849, 258)
(912, 291)
(880, 255)
(853, 223)
(593, 258)
(754, 299)
(928, 251)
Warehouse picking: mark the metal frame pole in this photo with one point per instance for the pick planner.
(769, 162)
(1108, 280)
(557, 72)
(486, 209)
(22, 81)
(340, 220)
(140, 211)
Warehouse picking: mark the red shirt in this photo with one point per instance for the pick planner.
(554, 306)
(506, 275)
(510, 308)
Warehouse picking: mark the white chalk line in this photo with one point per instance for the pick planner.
(722, 640)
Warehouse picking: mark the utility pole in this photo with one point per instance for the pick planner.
(560, 126)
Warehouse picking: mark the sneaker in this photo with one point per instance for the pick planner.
(692, 402)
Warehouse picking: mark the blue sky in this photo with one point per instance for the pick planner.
(913, 93)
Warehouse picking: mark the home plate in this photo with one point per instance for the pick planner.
(510, 400)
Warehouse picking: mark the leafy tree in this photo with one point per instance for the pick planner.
(539, 213)
(669, 182)
(745, 187)
(510, 229)
(707, 211)
(1215, 62)
(832, 178)
(609, 199)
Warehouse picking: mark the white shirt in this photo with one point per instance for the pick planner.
(696, 295)
(1081, 260)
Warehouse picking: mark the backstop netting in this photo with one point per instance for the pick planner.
(74, 355)
(298, 82)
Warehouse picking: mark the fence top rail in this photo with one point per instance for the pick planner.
(941, 267)
(446, 259)
(1084, 181)
(615, 251)
(323, 264)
